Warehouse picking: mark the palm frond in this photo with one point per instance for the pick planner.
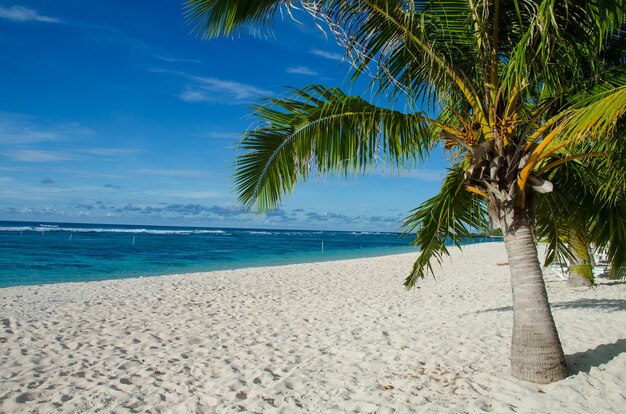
(326, 130)
(448, 217)
(579, 203)
(562, 44)
(214, 18)
(599, 110)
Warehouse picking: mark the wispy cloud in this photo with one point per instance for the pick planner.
(31, 139)
(104, 35)
(338, 219)
(24, 14)
(41, 211)
(326, 54)
(302, 70)
(110, 152)
(385, 219)
(24, 129)
(195, 96)
(325, 217)
(209, 214)
(32, 155)
(177, 60)
(171, 210)
(173, 173)
(156, 69)
(222, 135)
(209, 89)
(37, 155)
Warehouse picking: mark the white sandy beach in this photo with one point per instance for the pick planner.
(323, 337)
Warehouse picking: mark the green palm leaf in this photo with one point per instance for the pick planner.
(325, 130)
(214, 18)
(598, 114)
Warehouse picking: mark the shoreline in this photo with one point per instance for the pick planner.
(100, 252)
(287, 259)
(379, 252)
(333, 336)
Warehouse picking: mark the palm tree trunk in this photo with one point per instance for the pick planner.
(580, 270)
(536, 352)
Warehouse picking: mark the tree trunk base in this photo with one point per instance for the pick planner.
(542, 376)
(536, 352)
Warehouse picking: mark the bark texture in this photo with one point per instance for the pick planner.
(536, 352)
(580, 270)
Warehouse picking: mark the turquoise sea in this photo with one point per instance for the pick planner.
(40, 253)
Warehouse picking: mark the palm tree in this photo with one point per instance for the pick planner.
(503, 74)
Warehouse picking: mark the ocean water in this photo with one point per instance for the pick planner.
(41, 253)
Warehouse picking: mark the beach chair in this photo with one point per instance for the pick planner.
(619, 274)
(560, 270)
(600, 262)
(601, 256)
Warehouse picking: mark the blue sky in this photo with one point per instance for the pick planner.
(113, 112)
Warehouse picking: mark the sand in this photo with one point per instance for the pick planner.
(322, 337)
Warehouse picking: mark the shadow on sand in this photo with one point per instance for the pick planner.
(612, 283)
(602, 354)
(601, 304)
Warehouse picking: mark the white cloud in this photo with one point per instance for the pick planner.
(155, 69)
(31, 155)
(326, 54)
(37, 155)
(195, 96)
(44, 211)
(209, 89)
(177, 60)
(107, 36)
(24, 129)
(111, 152)
(30, 139)
(12, 169)
(222, 135)
(302, 70)
(172, 173)
(24, 14)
